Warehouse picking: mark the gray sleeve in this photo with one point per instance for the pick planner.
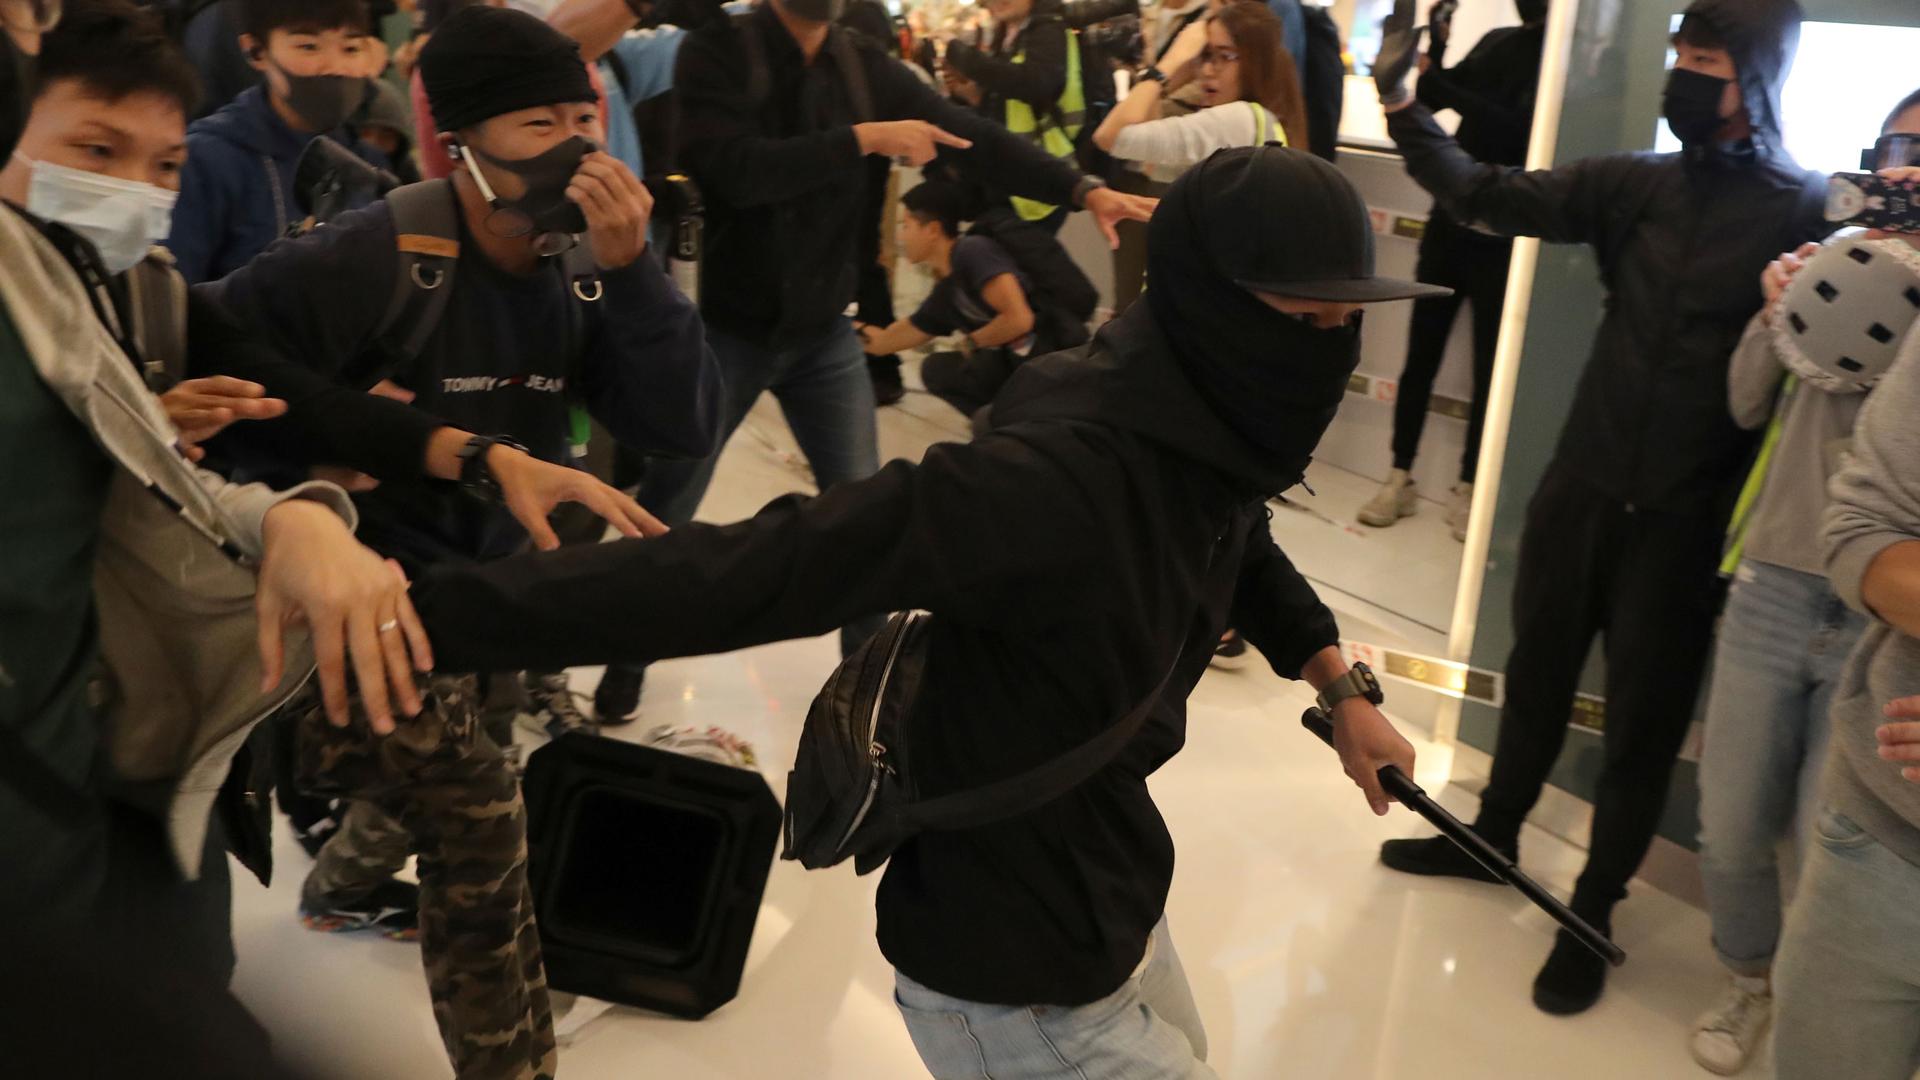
(246, 505)
(1875, 499)
(1753, 378)
(1185, 140)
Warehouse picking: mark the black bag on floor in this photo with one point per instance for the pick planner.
(647, 870)
(851, 792)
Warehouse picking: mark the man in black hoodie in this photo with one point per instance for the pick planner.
(779, 133)
(1492, 89)
(1624, 532)
(1068, 558)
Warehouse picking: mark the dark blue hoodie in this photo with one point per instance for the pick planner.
(236, 191)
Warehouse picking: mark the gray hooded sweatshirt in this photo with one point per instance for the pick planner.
(1876, 504)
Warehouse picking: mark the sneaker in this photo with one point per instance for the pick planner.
(1437, 856)
(1397, 498)
(888, 389)
(616, 700)
(1572, 979)
(1231, 653)
(392, 909)
(1726, 1036)
(555, 707)
(317, 820)
(1461, 511)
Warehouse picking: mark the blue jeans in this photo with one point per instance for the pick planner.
(1848, 984)
(1783, 642)
(827, 397)
(1149, 1029)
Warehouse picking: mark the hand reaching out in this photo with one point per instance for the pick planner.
(202, 408)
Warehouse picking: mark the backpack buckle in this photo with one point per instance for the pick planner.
(439, 276)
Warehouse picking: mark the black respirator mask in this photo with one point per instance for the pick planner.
(1692, 106)
(544, 211)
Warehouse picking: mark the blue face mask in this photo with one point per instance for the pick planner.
(122, 219)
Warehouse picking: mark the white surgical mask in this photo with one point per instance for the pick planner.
(121, 218)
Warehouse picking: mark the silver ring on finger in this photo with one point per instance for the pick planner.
(390, 626)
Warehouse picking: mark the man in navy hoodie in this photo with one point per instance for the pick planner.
(236, 191)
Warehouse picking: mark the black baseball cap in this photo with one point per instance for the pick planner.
(1312, 238)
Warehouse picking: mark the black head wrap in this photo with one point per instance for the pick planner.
(485, 61)
(1283, 222)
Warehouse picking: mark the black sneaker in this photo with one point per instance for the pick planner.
(1231, 653)
(1437, 856)
(555, 708)
(617, 699)
(314, 820)
(1573, 978)
(392, 909)
(885, 372)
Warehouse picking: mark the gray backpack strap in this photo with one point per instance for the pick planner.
(426, 232)
(157, 303)
(853, 68)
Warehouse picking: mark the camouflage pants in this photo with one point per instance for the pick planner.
(440, 788)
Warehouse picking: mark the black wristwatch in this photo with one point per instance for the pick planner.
(476, 476)
(1152, 73)
(1359, 681)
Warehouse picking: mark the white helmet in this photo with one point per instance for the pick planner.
(1844, 314)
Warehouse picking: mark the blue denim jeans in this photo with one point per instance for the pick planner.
(827, 397)
(1783, 641)
(1848, 983)
(1149, 1029)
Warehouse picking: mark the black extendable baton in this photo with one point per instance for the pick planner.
(1401, 786)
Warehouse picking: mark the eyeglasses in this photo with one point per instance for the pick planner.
(1223, 57)
(1891, 152)
(30, 16)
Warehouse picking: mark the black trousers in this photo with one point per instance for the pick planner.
(1646, 583)
(1474, 266)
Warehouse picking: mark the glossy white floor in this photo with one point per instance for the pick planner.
(1308, 959)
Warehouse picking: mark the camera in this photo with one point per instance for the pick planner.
(1119, 40)
(1080, 14)
(329, 178)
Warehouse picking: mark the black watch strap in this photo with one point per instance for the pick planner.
(1358, 682)
(1152, 73)
(476, 476)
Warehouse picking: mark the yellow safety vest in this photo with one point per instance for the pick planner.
(1061, 128)
(1265, 128)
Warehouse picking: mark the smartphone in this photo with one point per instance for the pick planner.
(1874, 202)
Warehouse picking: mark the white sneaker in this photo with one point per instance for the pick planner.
(1725, 1037)
(1397, 498)
(1461, 511)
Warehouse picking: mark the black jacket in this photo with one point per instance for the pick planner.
(509, 356)
(1493, 90)
(1681, 240)
(785, 182)
(1063, 557)
(1038, 79)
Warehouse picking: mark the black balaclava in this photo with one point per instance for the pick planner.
(16, 95)
(1532, 11)
(1273, 379)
